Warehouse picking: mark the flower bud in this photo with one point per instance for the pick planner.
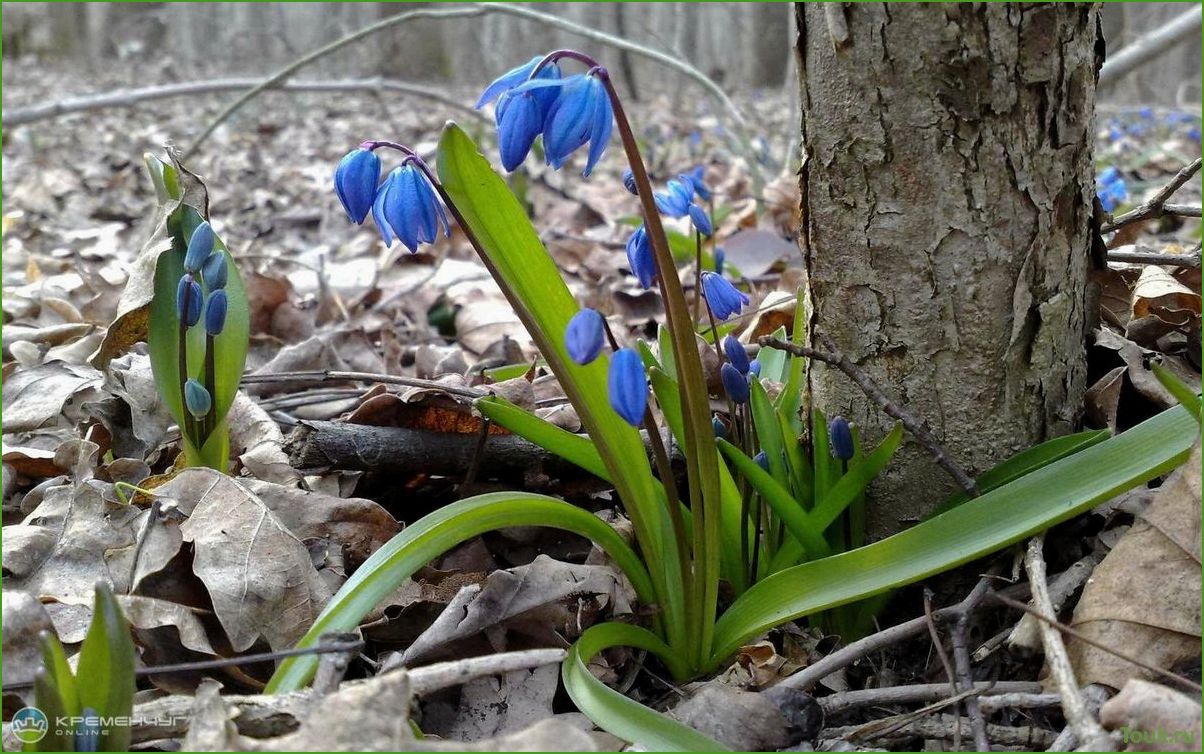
(628, 386)
(584, 336)
(196, 399)
(188, 300)
(735, 383)
(840, 438)
(722, 297)
(718, 427)
(215, 312)
(734, 350)
(213, 271)
(754, 367)
(355, 181)
(762, 460)
(200, 246)
(698, 217)
(629, 182)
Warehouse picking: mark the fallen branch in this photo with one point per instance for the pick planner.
(917, 427)
(841, 658)
(1091, 735)
(965, 677)
(1156, 205)
(923, 693)
(327, 375)
(1151, 45)
(945, 727)
(1149, 256)
(126, 98)
(467, 10)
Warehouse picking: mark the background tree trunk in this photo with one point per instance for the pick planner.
(947, 188)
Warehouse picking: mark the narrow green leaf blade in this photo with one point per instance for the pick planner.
(106, 668)
(424, 540)
(613, 711)
(998, 518)
(855, 480)
(573, 448)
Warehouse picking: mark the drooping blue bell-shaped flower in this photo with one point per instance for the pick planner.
(515, 76)
(406, 207)
(640, 258)
(355, 182)
(840, 438)
(197, 399)
(735, 384)
(674, 201)
(697, 178)
(734, 350)
(188, 300)
(200, 245)
(584, 336)
(214, 272)
(723, 298)
(628, 386)
(581, 113)
(754, 368)
(519, 119)
(215, 312)
(701, 222)
(629, 182)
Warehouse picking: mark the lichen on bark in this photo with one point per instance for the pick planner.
(947, 184)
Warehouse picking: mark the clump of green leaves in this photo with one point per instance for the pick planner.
(88, 710)
(199, 323)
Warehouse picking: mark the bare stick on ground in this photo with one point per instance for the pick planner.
(1091, 735)
(1149, 256)
(1156, 205)
(916, 426)
(1008, 693)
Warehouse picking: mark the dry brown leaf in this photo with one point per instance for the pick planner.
(258, 573)
(1168, 718)
(48, 395)
(1144, 597)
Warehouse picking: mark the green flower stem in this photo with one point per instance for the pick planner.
(187, 425)
(701, 459)
(210, 421)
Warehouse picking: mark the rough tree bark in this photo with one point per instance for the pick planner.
(947, 185)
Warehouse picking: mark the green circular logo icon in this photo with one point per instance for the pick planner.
(30, 725)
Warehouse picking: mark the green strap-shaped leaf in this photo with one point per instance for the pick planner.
(531, 281)
(105, 676)
(613, 711)
(426, 539)
(998, 518)
(573, 448)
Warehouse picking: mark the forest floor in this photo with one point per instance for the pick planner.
(328, 296)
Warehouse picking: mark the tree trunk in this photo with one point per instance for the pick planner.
(947, 184)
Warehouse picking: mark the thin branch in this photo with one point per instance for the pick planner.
(1149, 46)
(1156, 205)
(917, 427)
(841, 658)
(323, 375)
(923, 693)
(126, 98)
(939, 647)
(1028, 738)
(961, 657)
(1090, 733)
(468, 10)
(1149, 256)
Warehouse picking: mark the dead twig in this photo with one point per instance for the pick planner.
(1015, 691)
(129, 98)
(1151, 45)
(1156, 205)
(917, 427)
(326, 375)
(942, 727)
(1149, 256)
(961, 658)
(841, 658)
(943, 656)
(1090, 733)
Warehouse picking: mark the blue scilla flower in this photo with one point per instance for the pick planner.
(674, 201)
(762, 460)
(840, 438)
(754, 368)
(722, 297)
(519, 118)
(197, 399)
(584, 335)
(188, 300)
(1111, 189)
(698, 217)
(406, 208)
(355, 181)
(697, 178)
(1193, 133)
(200, 245)
(640, 258)
(515, 76)
(628, 386)
(1146, 112)
(720, 258)
(581, 113)
(629, 182)
(718, 427)
(734, 350)
(215, 312)
(214, 272)
(734, 383)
